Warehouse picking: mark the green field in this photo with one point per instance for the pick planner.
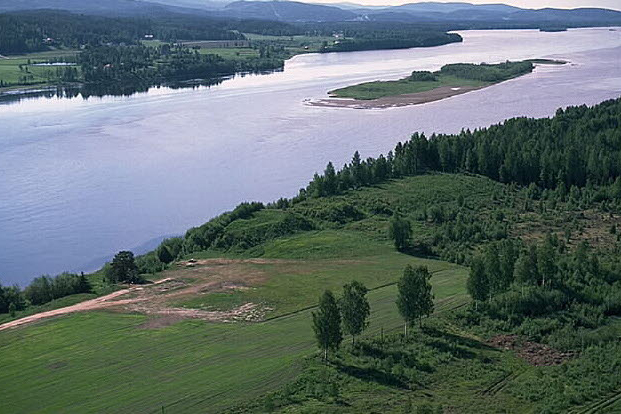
(293, 45)
(76, 363)
(123, 360)
(12, 75)
(232, 52)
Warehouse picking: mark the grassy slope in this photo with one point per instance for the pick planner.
(106, 362)
(291, 286)
(77, 363)
(99, 288)
(194, 365)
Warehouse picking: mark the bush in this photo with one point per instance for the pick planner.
(44, 289)
(11, 298)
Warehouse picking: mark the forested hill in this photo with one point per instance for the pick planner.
(579, 146)
(28, 31)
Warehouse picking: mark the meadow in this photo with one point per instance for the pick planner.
(77, 362)
(11, 74)
(130, 359)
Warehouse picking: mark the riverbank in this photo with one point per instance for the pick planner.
(425, 87)
(34, 73)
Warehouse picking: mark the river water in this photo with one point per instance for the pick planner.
(81, 179)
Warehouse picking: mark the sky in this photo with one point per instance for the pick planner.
(527, 4)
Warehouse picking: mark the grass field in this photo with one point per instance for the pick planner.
(11, 74)
(129, 360)
(232, 52)
(76, 363)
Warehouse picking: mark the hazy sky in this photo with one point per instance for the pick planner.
(530, 4)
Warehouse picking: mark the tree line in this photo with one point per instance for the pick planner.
(579, 145)
(41, 290)
(391, 40)
(350, 313)
(32, 31)
(44, 289)
(537, 150)
(488, 72)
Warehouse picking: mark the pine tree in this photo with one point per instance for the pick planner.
(123, 269)
(330, 183)
(163, 254)
(546, 261)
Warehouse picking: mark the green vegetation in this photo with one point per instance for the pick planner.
(459, 75)
(531, 206)
(415, 299)
(45, 289)
(355, 309)
(186, 367)
(28, 69)
(327, 324)
(123, 269)
(125, 55)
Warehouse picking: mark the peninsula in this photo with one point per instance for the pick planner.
(424, 86)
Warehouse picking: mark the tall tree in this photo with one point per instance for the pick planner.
(400, 231)
(356, 169)
(491, 258)
(546, 260)
(355, 309)
(330, 183)
(327, 324)
(478, 285)
(123, 269)
(526, 267)
(163, 254)
(415, 299)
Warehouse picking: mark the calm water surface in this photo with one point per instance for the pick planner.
(81, 179)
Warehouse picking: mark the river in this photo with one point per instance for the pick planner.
(81, 179)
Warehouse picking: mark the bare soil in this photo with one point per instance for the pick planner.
(534, 353)
(395, 101)
(184, 280)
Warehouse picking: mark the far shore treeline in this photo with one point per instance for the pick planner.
(574, 155)
(122, 55)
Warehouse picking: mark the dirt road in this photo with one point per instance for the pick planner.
(97, 303)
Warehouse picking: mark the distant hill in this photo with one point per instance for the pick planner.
(435, 7)
(289, 11)
(106, 7)
(493, 14)
(455, 15)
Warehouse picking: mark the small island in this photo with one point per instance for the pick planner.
(424, 86)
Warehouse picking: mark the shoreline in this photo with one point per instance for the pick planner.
(396, 101)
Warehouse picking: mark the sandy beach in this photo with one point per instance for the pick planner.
(395, 101)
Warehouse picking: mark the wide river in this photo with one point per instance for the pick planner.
(81, 179)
